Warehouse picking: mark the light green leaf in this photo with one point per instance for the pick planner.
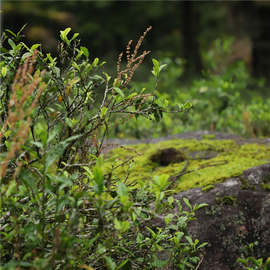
(98, 175)
(35, 46)
(155, 62)
(161, 67)
(117, 224)
(11, 188)
(7, 144)
(98, 188)
(119, 91)
(121, 189)
(187, 105)
(168, 218)
(63, 34)
(4, 71)
(187, 203)
(189, 240)
(139, 238)
(103, 111)
(107, 76)
(110, 263)
(202, 245)
(74, 36)
(170, 200)
(95, 62)
(69, 122)
(85, 51)
(12, 44)
(131, 95)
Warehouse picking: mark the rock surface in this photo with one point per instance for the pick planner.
(238, 214)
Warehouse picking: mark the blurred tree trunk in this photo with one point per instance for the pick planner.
(261, 43)
(252, 17)
(190, 23)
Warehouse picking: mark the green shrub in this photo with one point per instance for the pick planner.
(60, 208)
(225, 94)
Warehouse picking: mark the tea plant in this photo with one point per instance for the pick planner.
(251, 263)
(225, 93)
(60, 207)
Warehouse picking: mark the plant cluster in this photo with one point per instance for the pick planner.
(251, 263)
(231, 99)
(60, 208)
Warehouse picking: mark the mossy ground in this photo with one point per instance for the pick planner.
(233, 157)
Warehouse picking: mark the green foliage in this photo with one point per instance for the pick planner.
(254, 264)
(59, 208)
(225, 93)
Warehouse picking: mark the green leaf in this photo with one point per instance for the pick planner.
(30, 208)
(98, 188)
(245, 262)
(119, 91)
(54, 132)
(189, 240)
(28, 179)
(202, 245)
(74, 36)
(155, 62)
(170, 200)
(161, 67)
(187, 203)
(98, 175)
(102, 63)
(85, 51)
(152, 232)
(4, 71)
(63, 34)
(12, 44)
(95, 62)
(54, 154)
(199, 206)
(168, 218)
(99, 161)
(69, 122)
(161, 181)
(187, 105)
(125, 226)
(11, 188)
(121, 189)
(125, 265)
(103, 111)
(139, 238)
(258, 263)
(131, 95)
(7, 144)
(110, 263)
(35, 46)
(9, 31)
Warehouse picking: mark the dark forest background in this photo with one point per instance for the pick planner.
(183, 29)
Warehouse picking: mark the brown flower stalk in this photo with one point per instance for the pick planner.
(133, 61)
(23, 87)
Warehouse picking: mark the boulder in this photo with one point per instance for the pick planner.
(238, 213)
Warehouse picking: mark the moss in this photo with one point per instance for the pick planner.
(244, 182)
(208, 188)
(266, 179)
(231, 160)
(209, 136)
(265, 186)
(228, 200)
